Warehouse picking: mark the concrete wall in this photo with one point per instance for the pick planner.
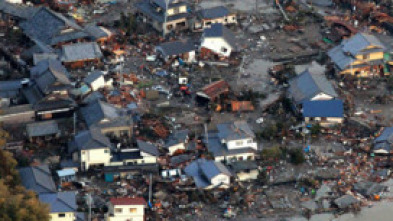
(95, 156)
(68, 217)
(330, 121)
(216, 45)
(243, 176)
(243, 143)
(220, 179)
(181, 9)
(172, 149)
(98, 83)
(126, 214)
(235, 157)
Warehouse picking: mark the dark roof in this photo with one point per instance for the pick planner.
(93, 97)
(37, 179)
(45, 24)
(175, 160)
(80, 52)
(243, 165)
(329, 108)
(139, 168)
(171, 3)
(68, 36)
(218, 30)
(128, 201)
(176, 47)
(177, 137)
(61, 202)
(146, 8)
(235, 130)
(97, 111)
(16, 10)
(121, 156)
(385, 140)
(215, 12)
(218, 149)
(9, 89)
(215, 89)
(203, 171)
(97, 32)
(307, 85)
(50, 75)
(93, 76)
(44, 128)
(91, 139)
(148, 148)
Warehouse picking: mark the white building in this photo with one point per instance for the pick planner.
(62, 205)
(91, 148)
(218, 40)
(177, 141)
(233, 142)
(219, 14)
(95, 80)
(126, 209)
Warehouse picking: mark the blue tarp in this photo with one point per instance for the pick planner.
(324, 108)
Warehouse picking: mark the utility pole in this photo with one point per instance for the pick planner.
(150, 188)
(165, 18)
(74, 123)
(89, 198)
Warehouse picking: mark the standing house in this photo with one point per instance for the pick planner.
(309, 86)
(62, 205)
(233, 142)
(107, 118)
(153, 13)
(95, 80)
(362, 56)
(177, 141)
(38, 179)
(208, 174)
(218, 40)
(325, 112)
(79, 54)
(48, 90)
(383, 144)
(91, 148)
(126, 209)
(43, 130)
(183, 49)
(219, 14)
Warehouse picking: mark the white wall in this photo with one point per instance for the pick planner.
(126, 215)
(215, 45)
(68, 217)
(242, 143)
(231, 19)
(15, 1)
(98, 83)
(95, 156)
(243, 176)
(220, 179)
(321, 97)
(172, 149)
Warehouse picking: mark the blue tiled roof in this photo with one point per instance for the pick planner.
(215, 12)
(37, 179)
(330, 108)
(61, 202)
(203, 170)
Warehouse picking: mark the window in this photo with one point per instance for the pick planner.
(61, 215)
(106, 151)
(249, 158)
(224, 49)
(118, 210)
(365, 56)
(169, 27)
(176, 10)
(208, 23)
(83, 152)
(226, 20)
(132, 210)
(239, 143)
(249, 141)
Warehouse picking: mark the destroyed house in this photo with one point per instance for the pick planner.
(218, 40)
(38, 179)
(177, 141)
(9, 92)
(91, 149)
(182, 49)
(214, 90)
(309, 86)
(383, 144)
(244, 170)
(78, 54)
(219, 14)
(95, 80)
(110, 120)
(233, 142)
(361, 55)
(324, 112)
(164, 16)
(62, 205)
(52, 28)
(48, 90)
(208, 174)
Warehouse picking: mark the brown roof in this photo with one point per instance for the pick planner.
(242, 106)
(215, 89)
(128, 201)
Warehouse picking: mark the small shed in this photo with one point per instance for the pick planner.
(46, 130)
(66, 175)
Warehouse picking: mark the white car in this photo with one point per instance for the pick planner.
(259, 120)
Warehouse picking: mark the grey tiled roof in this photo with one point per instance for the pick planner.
(38, 179)
(97, 32)
(243, 165)
(176, 47)
(61, 202)
(146, 8)
(93, 76)
(99, 110)
(46, 24)
(68, 36)
(148, 148)
(307, 85)
(215, 12)
(177, 137)
(91, 139)
(19, 11)
(81, 51)
(218, 149)
(42, 128)
(218, 30)
(202, 170)
(50, 75)
(235, 131)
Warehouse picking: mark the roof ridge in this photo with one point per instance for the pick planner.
(38, 181)
(63, 201)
